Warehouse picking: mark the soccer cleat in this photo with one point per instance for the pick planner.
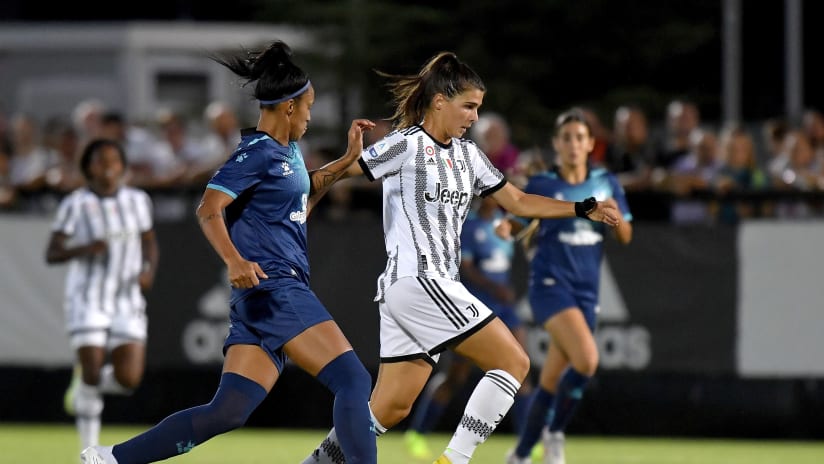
(442, 460)
(553, 447)
(537, 452)
(71, 392)
(416, 445)
(511, 458)
(97, 455)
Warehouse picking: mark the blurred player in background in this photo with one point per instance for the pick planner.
(104, 230)
(563, 286)
(253, 213)
(486, 260)
(430, 176)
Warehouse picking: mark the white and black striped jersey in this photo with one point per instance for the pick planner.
(427, 191)
(107, 282)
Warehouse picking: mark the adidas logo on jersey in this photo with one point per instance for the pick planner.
(446, 196)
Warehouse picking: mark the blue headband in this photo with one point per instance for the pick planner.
(287, 97)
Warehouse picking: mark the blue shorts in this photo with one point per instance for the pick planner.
(272, 316)
(548, 300)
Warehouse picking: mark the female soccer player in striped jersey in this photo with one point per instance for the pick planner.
(104, 230)
(266, 194)
(430, 175)
(563, 286)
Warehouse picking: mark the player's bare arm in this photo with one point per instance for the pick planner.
(320, 180)
(524, 204)
(151, 258)
(58, 252)
(242, 273)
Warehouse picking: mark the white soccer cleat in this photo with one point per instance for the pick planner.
(97, 455)
(553, 447)
(511, 458)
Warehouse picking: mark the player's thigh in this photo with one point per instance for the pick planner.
(252, 362)
(570, 332)
(317, 346)
(494, 347)
(129, 360)
(396, 389)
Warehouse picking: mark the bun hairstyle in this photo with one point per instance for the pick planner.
(276, 77)
(412, 94)
(92, 148)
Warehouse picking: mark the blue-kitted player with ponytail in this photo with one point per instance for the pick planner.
(563, 286)
(266, 193)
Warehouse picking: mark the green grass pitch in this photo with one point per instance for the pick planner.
(57, 444)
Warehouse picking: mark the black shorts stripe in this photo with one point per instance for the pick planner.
(458, 339)
(457, 311)
(440, 303)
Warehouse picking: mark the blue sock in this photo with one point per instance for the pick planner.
(519, 411)
(351, 384)
(535, 420)
(234, 401)
(570, 391)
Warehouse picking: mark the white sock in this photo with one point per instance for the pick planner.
(89, 406)
(489, 403)
(329, 451)
(109, 384)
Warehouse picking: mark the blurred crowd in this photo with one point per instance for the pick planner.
(679, 169)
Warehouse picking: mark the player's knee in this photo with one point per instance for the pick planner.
(587, 364)
(518, 365)
(129, 380)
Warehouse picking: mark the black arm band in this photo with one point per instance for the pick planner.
(583, 208)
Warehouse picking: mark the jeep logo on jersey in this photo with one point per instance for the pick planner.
(446, 196)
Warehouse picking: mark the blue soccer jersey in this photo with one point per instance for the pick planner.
(568, 251)
(267, 219)
(491, 254)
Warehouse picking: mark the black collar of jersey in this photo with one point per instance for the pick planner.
(557, 170)
(442, 145)
(252, 131)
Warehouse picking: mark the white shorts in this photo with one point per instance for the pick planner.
(94, 326)
(421, 317)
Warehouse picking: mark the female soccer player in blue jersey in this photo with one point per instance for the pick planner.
(266, 194)
(430, 175)
(563, 286)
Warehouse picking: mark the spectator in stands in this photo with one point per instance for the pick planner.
(139, 144)
(87, 118)
(29, 158)
(813, 125)
(801, 173)
(491, 133)
(601, 135)
(682, 120)
(63, 174)
(738, 173)
(8, 194)
(630, 155)
(694, 173)
(220, 141)
(176, 152)
(773, 133)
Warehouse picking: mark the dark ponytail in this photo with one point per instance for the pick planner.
(444, 73)
(272, 70)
